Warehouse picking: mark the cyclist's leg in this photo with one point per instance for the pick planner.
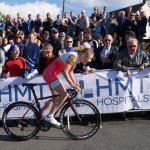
(59, 100)
(60, 89)
(48, 104)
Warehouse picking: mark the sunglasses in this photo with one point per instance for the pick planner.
(69, 41)
(133, 46)
(62, 36)
(107, 40)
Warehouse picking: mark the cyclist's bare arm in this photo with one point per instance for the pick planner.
(72, 75)
(67, 75)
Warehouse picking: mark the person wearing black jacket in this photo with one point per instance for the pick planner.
(105, 55)
(142, 26)
(46, 57)
(128, 35)
(48, 23)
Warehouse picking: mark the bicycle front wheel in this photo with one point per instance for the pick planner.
(20, 121)
(80, 119)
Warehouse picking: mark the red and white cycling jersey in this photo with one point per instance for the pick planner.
(50, 74)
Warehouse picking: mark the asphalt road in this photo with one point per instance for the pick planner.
(133, 134)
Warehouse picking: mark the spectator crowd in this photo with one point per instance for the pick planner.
(28, 47)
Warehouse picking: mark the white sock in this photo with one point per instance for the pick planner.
(50, 115)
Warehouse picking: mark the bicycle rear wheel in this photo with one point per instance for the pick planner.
(82, 128)
(17, 128)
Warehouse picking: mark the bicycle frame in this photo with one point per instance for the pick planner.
(36, 99)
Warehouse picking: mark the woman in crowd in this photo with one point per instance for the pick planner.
(18, 41)
(93, 22)
(99, 40)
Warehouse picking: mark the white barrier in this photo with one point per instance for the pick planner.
(110, 91)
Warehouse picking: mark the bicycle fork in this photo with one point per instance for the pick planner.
(75, 111)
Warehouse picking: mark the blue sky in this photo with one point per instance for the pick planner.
(55, 6)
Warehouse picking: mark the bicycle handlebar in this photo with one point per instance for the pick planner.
(73, 93)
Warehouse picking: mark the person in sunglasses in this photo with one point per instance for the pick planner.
(68, 46)
(131, 57)
(106, 54)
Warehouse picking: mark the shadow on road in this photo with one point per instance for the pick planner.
(7, 138)
(53, 138)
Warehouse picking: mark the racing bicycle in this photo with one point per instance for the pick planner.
(79, 118)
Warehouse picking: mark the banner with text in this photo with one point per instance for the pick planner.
(110, 91)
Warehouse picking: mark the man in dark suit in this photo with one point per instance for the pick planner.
(106, 54)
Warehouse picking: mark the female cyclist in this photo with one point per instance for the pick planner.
(67, 63)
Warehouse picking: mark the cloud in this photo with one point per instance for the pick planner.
(101, 3)
(37, 7)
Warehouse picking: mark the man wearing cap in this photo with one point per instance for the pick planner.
(84, 21)
(15, 65)
(128, 35)
(55, 41)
